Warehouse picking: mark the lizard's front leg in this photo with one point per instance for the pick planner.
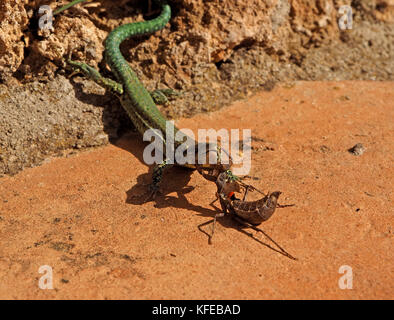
(93, 74)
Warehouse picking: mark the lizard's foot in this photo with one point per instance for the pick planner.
(153, 191)
(163, 96)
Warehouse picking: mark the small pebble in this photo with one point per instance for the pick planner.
(357, 149)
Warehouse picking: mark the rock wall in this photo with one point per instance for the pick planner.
(200, 32)
(13, 21)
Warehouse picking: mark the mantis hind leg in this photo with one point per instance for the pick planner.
(210, 236)
(218, 215)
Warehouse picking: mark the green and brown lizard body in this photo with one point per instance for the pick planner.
(134, 97)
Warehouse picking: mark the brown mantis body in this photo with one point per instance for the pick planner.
(248, 213)
(253, 212)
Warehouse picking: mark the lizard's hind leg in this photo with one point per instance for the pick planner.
(157, 177)
(163, 96)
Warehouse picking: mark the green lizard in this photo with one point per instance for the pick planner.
(135, 99)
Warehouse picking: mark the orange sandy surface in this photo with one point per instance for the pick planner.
(83, 216)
